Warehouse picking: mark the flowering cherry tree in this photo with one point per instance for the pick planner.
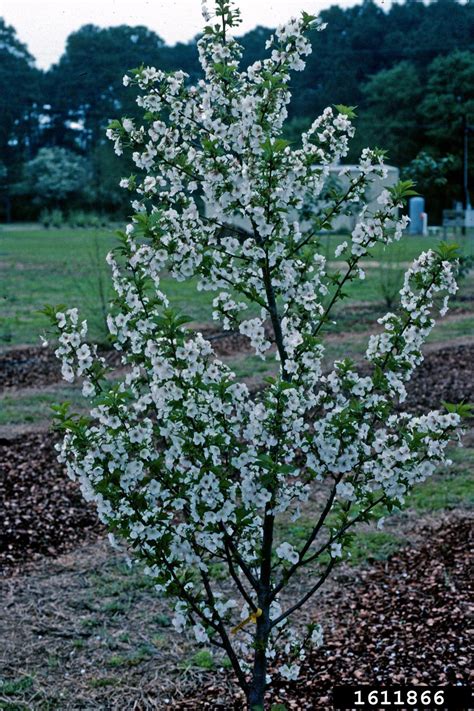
(181, 459)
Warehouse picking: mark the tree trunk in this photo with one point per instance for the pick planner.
(257, 687)
(256, 694)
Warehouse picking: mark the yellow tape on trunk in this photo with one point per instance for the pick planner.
(250, 618)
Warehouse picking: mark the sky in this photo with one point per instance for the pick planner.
(43, 25)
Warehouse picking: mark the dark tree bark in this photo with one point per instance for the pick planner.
(256, 694)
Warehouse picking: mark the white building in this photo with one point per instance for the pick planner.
(345, 222)
(341, 222)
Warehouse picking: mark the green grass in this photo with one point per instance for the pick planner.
(67, 266)
(49, 266)
(20, 409)
(252, 365)
(409, 247)
(447, 330)
(141, 654)
(203, 659)
(13, 687)
(373, 545)
(452, 487)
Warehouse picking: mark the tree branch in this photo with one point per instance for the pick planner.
(306, 597)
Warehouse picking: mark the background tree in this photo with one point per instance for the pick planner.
(19, 92)
(448, 101)
(390, 117)
(413, 111)
(69, 104)
(85, 86)
(56, 177)
(431, 176)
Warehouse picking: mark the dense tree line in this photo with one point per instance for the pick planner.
(409, 71)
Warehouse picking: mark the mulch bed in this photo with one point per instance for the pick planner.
(29, 366)
(405, 622)
(35, 366)
(42, 510)
(446, 375)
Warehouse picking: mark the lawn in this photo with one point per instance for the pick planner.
(67, 266)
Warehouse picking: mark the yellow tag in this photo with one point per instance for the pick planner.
(250, 618)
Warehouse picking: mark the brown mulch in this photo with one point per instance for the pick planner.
(28, 366)
(36, 366)
(405, 622)
(446, 374)
(42, 510)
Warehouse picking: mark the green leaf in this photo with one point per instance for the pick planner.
(266, 462)
(402, 190)
(115, 125)
(463, 409)
(50, 312)
(307, 19)
(448, 251)
(348, 111)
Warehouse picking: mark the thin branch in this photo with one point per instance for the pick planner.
(305, 240)
(306, 597)
(339, 533)
(235, 577)
(289, 574)
(241, 562)
(223, 632)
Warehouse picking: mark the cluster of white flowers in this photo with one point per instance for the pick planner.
(179, 457)
(76, 356)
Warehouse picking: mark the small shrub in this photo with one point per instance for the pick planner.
(390, 274)
(203, 659)
(82, 219)
(51, 218)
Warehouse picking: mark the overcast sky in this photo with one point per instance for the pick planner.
(45, 24)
